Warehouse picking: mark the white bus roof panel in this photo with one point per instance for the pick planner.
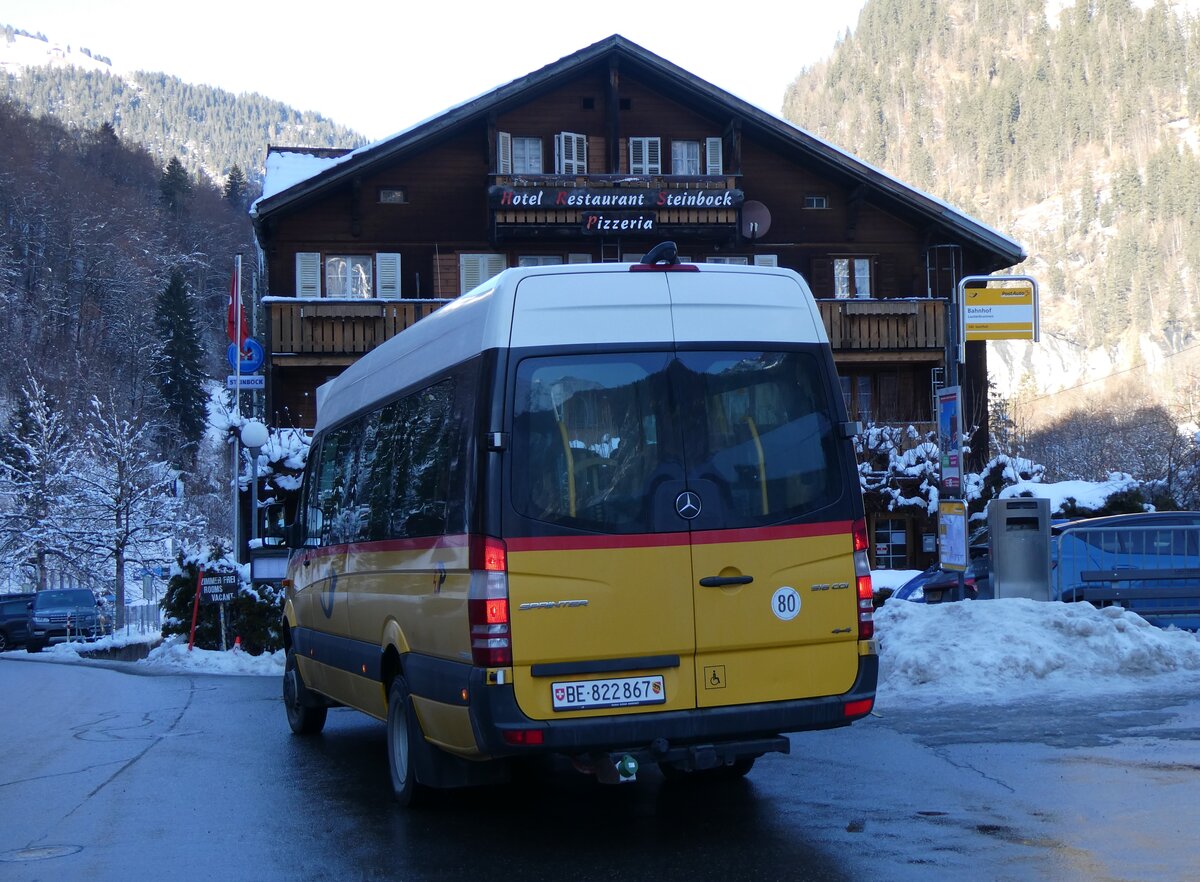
(736, 303)
(595, 307)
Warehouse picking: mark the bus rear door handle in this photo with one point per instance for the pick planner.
(723, 581)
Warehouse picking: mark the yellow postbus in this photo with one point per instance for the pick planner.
(608, 512)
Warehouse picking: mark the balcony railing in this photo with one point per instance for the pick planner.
(340, 327)
(885, 324)
(352, 327)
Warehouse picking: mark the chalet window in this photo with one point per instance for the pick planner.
(766, 260)
(713, 161)
(645, 156)
(518, 155)
(852, 277)
(540, 260)
(579, 258)
(393, 195)
(475, 269)
(858, 391)
(570, 154)
(891, 543)
(738, 261)
(348, 275)
(685, 157)
(890, 395)
(527, 156)
(814, 201)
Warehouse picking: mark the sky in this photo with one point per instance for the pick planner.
(397, 64)
(980, 652)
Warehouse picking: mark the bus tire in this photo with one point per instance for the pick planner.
(402, 731)
(303, 715)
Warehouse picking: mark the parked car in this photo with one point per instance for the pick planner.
(1147, 562)
(14, 620)
(61, 615)
(914, 588)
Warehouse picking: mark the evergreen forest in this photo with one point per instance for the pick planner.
(210, 130)
(1074, 128)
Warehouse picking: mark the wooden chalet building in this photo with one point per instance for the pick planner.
(597, 157)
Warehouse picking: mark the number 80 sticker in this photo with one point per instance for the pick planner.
(785, 603)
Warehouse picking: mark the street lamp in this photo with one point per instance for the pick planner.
(254, 435)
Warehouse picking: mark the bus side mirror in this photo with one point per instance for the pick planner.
(294, 534)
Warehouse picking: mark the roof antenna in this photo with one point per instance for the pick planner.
(663, 252)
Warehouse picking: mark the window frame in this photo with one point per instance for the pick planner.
(693, 162)
(846, 285)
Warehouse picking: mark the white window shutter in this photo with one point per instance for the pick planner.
(308, 274)
(645, 156)
(579, 258)
(570, 154)
(387, 275)
(475, 269)
(766, 260)
(653, 156)
(713, 163)
(637, 156)
(504, 153)
(470, 270)
(494, 264)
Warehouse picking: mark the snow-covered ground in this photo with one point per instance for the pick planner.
(983, 652)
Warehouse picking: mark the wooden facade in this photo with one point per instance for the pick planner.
(598, 157)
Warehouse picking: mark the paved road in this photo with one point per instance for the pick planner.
(113, 775)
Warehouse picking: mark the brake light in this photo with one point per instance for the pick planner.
(487, 603)
(664, 268)
(859, 708)
(859, 531)
(524, 737)
(862, 582)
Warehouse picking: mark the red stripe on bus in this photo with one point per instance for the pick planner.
(768, 534)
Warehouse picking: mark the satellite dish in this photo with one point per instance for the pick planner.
(756, 220)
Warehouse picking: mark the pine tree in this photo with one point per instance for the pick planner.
(235, 187)
(175, 185)
(179, 369)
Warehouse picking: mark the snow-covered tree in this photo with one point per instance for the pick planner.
(127, 506)
(38, 455)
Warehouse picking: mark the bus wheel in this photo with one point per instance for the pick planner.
(302, 718)
(402, 728)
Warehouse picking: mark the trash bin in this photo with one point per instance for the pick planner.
(1019, 536)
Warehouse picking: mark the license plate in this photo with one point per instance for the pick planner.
(614, 692)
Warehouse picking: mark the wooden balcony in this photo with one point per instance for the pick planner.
(916, 327)
(339, 327)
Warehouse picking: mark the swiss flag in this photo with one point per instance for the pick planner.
(235, 319)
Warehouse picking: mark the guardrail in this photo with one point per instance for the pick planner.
(1154, 570)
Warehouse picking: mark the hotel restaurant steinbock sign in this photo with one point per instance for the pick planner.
(605, 211)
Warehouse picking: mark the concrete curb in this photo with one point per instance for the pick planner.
(128, 652)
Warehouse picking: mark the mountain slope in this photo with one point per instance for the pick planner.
(209, 129)
(1070, 126)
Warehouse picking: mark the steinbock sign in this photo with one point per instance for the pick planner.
(609, 198)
